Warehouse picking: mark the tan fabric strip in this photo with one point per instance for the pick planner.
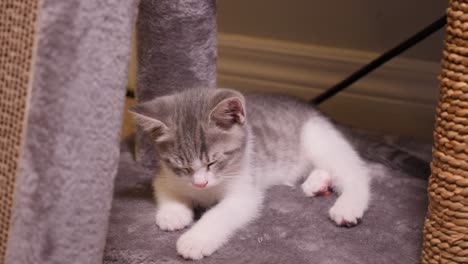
(17, 33)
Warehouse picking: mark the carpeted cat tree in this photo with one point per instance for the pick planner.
(176, 50)
(63, 67)
(63, 70)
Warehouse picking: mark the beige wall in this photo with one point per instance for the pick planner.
(368, 25)
(358, 27)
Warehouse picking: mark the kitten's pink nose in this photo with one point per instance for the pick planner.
(200, 185)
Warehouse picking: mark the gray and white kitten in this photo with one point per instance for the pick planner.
(222, 150)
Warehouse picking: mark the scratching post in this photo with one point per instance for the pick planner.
(63, 70)
(176, 51)
(446, 224)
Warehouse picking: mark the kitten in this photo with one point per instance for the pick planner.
(218, 148)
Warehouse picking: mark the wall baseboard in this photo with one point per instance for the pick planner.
(398, 98)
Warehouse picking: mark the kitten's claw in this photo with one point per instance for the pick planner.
(171, 218)
(195, 245)
(318, 183)
(350, 224)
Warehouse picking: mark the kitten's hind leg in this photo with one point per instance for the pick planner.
(318, 183)
(328, 150)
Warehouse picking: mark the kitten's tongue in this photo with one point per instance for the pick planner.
(199, 180)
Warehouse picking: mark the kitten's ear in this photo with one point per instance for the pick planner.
(228, 112)
(149, 117)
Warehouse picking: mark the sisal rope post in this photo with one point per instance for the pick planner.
(446, 223)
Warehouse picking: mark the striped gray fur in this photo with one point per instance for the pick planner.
(273, 125)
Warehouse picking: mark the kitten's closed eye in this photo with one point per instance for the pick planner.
(177, 168)
(210, 164)
(182, 171)
(232, 151)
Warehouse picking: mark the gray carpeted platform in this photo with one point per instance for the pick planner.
(293, 228)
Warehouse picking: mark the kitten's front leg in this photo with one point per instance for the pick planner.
(172, 212)
(218, 224)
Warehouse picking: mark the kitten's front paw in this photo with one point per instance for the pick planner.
(171, 218)
(196, 245)
(347, 213)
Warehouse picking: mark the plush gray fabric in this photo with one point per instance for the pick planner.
(292, 228)
(71, 145)
(177, 49)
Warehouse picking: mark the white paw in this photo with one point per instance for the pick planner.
(196, 245)
(317, 183)
(347, 212)
(171, 218)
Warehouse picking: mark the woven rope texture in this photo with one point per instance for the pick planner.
(17, 23)
(446, 224)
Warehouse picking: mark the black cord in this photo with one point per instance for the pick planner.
(366, 69)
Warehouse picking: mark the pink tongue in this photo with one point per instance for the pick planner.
(201, 185)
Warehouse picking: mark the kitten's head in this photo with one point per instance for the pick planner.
(200, 134)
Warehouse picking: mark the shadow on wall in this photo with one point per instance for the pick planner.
(360, 25)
